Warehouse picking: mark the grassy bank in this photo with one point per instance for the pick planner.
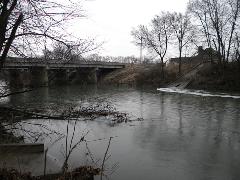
(138, 74)
(144, 74)
(212, 78)
(218, 78)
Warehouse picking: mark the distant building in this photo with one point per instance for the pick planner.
(202, 56)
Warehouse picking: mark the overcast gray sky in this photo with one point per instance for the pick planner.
(112, 21)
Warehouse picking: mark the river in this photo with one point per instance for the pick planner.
(182, 136)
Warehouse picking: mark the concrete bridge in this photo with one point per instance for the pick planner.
(36, 71)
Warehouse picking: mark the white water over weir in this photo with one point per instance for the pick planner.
(197, 93)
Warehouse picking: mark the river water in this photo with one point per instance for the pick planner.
(182, 136)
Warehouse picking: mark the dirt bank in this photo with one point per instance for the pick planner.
(139, 74)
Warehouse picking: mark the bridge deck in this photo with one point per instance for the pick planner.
(55, 64)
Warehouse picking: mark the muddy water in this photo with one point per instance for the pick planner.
(183, 136)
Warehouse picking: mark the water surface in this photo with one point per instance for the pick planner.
(183, 136)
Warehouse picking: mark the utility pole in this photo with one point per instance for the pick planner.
(141, 49)
(45, 49)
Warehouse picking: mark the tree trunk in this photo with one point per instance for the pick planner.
(162, 69)
(10, 40)
(180, 62)
(238, 62)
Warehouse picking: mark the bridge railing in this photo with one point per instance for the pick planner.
(13, 61)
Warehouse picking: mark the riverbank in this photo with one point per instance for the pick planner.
(7, 137)
(140, 74)
(210, 78)
(217, 78)
(81, 173)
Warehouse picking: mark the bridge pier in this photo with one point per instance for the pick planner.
(85, 76)
(58, 76)
(71, 75)
(39, 76)
(101, 73)
(93, 75)
(5, 76)
(19, 78)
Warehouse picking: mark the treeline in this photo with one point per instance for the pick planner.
(121, 59)
(213, 24)
(62, 53)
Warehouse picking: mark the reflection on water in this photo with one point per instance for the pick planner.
(3, 91)
(181, 137)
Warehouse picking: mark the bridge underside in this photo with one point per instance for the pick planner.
(41, 76)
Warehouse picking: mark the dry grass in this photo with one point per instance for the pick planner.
(144, 74)
(128, 75)
(81, 173)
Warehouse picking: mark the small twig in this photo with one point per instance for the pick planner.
(73, 134)
(90, 153)
(105, 155)
(66, 144)
(19, 166)
(67, 155)
(114, 168)
(45, 162)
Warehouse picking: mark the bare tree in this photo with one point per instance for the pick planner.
(236, 54)
(218, 19)
(234, 18)
(199, 12)
(71, 52)
(183, 31)
(155, 38)
(27, 25)
(60, 52)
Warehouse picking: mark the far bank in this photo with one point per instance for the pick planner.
(212, 77)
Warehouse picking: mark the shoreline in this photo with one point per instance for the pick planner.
(212, 78)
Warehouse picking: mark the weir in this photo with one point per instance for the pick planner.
(185, 80)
